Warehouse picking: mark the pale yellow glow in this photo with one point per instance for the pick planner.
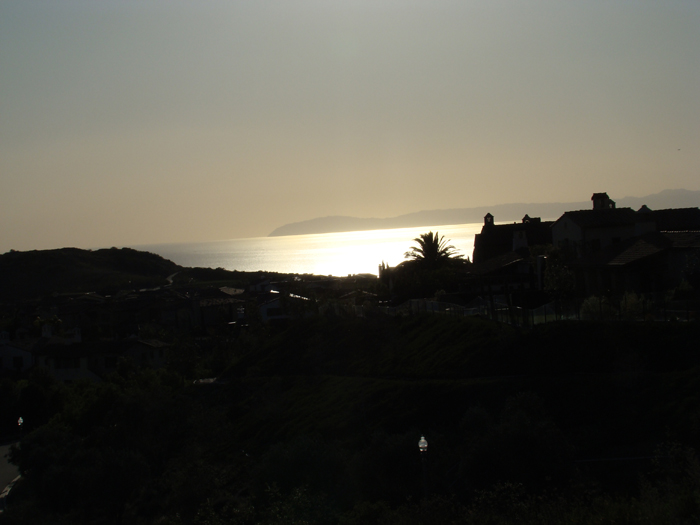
(128, 123)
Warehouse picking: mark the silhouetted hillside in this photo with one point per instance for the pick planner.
(576, 422)
(502, 212)
(41, 272)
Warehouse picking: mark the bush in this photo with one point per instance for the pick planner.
(596, 308)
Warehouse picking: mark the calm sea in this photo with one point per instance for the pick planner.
(336, 254)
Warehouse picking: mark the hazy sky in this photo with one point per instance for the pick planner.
(133, 122)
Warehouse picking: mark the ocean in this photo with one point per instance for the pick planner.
(338, 254)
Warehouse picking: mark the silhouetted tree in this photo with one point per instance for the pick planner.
(432, 251)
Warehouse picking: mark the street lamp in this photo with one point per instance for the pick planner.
(20, 423)
(423, 447)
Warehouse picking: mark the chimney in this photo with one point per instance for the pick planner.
(601, 201)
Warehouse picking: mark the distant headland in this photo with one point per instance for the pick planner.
(504, 212)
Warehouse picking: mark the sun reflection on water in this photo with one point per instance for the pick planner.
(339, 254)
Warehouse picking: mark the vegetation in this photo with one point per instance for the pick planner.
(559, 280)
(38, 273)
(432, 266)
(319, 423)
(432, 251)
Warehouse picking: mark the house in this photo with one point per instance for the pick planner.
(262, 286)
(496, 240)
(582, 233)
(673, 220)
(149, 353)
(273, 311)
(503, 263)
(281, 308)
(517, 275)
(97, 359)
(12, 358)
(218, 306)
(68, 362)
(649, 264)
(613, 250)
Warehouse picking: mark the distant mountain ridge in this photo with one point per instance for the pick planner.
(501, 212)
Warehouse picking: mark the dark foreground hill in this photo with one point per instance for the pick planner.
(319, 424)
(36, 273)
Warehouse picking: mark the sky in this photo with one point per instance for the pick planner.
(129, 122)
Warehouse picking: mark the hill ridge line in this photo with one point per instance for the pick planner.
(678, 198)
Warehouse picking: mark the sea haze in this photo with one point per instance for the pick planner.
(339, 254)
(501, 212)
(362, 249)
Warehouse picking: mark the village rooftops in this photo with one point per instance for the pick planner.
(498, 263)
(676, 219)
(602, 217)
(640, 248)
(499, 239)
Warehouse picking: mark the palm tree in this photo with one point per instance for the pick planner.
(432, 251)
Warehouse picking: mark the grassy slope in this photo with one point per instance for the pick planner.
(337, 406)
(613, 389)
